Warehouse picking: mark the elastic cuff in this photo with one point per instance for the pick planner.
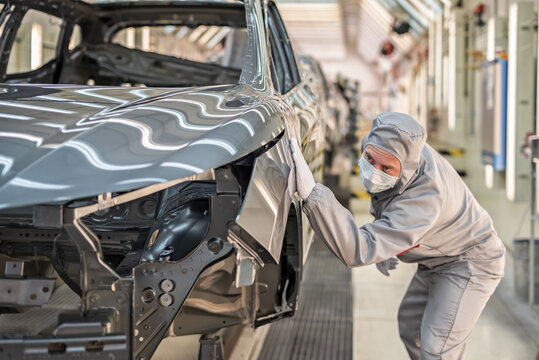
(316, 195)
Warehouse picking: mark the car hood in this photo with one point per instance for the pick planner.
(60, 143)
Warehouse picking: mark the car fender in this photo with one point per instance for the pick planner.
(265, 209)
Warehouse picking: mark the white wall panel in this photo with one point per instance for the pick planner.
(520, 97)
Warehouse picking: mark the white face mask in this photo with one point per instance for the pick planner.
(375, 180)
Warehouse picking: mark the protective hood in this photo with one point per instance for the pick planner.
(400, 135)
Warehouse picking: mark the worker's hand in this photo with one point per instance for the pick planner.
(304, 178)
(389, 264)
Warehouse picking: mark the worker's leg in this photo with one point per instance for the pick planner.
(456, 299)
(411, 313)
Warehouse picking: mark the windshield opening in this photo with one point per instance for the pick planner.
(220, 45)
(149, 45)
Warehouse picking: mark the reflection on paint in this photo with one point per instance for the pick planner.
(7, 162)
(38, 140)
(220, 100)
(93, 158)
(203, 108)
(35, 107)
(15, 117)
(140, 93)
(63, 128)
(53, 98)
(146, 132)
(262, 117)
(217, 142)
(25, 183)
(152, 180)
(245, 123)
(92, 93)
(262, 190)
(181, 119)
(182, 166)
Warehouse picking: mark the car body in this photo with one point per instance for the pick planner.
(334, 109)
(162, 208)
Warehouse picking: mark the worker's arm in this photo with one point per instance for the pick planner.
(403, 223)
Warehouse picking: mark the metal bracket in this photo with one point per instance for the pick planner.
(161, 290)
(246, 268)
(25, 292)
(105, 201)
(106, 297)
(14, 269)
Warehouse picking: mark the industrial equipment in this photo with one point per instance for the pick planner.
(494, 120)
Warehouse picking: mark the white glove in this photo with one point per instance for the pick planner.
(386, 265)
(304, 178)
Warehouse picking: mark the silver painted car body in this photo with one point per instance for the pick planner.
(62, 143)
(171, 133)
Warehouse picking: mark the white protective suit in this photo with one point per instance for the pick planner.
(431, 218)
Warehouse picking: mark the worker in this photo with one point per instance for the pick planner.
(423, 213)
